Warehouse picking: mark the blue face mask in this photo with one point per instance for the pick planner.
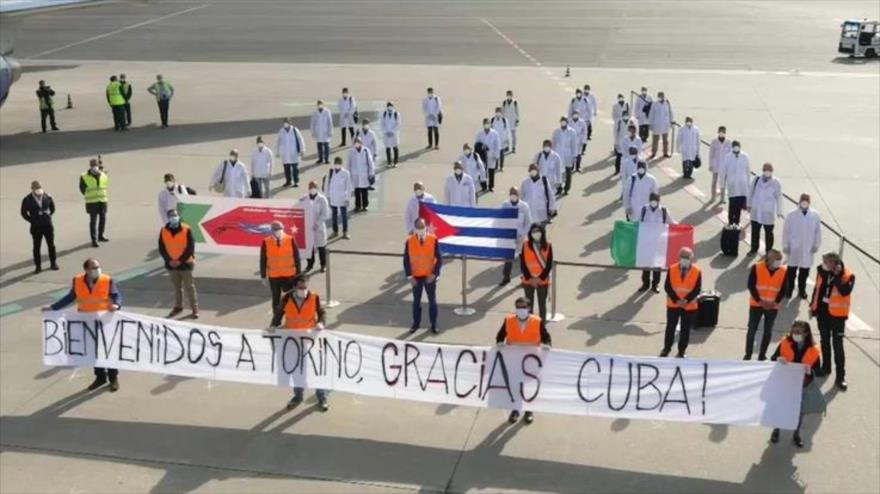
(174, 221)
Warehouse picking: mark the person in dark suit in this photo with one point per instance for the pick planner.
(37, 209)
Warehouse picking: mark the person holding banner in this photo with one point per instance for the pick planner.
(683, 283)
(522, 328)
(177, 247)
(279, 262)
(302, 311)
(422, 263)
(798, 347)
(536, 264)
(94, 291)
(767, 289)
(524, 218)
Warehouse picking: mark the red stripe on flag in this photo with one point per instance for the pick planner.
(679, 236)
(436, 225)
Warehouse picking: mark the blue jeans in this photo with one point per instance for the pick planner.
(320, 393)
(431, 289)
(335, 210)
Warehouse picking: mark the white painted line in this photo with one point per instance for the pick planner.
(854, 323)
(111, 33)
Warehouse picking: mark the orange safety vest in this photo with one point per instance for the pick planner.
(786, 350)
(838, 305)
(768, 285)
(301, 318)
(682, 287)
(532, 265)
(95, 300)
(517, 335)
(279, 259)
(175, 244)
(422, 255)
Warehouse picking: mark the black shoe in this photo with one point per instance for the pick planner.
(680, 354)
(643, 288)
(504, 282)
(435, 330)
(97, 383)
(54, 267)
(747, 356)
(823, 372)
(38, 270)
(802, 295)
(413, 329)
(296, 400)
(753, 252)
(655, 288)
(114, 385)
(514, 416)
(841, 384)
(55, 128)
(796, 439)
(762, 358)
(103, 239)
(528, 417)
(324, 405)
(296, 185)
(774, 436)
(308, 267)
(287, 184)
(95, 243)
(664, 352)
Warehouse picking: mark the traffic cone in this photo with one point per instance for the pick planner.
(567, 71)
(69, 102)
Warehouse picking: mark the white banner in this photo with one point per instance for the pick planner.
(505, 377)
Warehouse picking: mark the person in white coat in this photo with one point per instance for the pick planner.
(594, 110)
(460, 189)
(629, 165)
(322, 131)
(348, 115)
(637, 191)
(565, 143)
(261, 168)
(642, 108)
(626, 139)
(619, 109)
(368, 137)
(765, 204)
(538, 193)
(391, 134)
(801, 239)
(169, 196)
(317, 213)
(231, 178)
(660, 119)
(338, 188)
(432, 107)
(653, 212)
(502, 127)
(363, 173)
(490, 146)
(579, 103)
(688, 147)
(550, 165)
(412, 206)
(473, 166)
(290, 148)
(718, 150)
(735, 174)
(580, 127)
(524, 222)
(510, 109)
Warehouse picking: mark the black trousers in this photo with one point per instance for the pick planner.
(491, 173)
(617, 157)
(580, 156)
(508, 268)
(103, 373)
(831, 335)
(118, 116)
(361, 198)
(687, 168)
(350, 132)
(755, 316)
(802, 275)
(568, 174)
(50, 114)
(291, 172)
(756, 235)
(97, 219)
(322, 257)
(734, 212)
(673, 316)
(589, 130)
(388, 152)
(433, 136)
(38, 234)
(278, 285)
(324, 152)
(651, 276)
(127, 112)
(542, 298)
(644, 131)
(163, 111)
(501, 160)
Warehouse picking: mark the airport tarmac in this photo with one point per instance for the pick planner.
(167, 434)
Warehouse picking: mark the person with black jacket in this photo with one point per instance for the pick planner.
(177, 247)
(37, 209)
(766, 286)
(830, 305)
(798, 347)
(47, 106)
(536, 264)
(684, 281)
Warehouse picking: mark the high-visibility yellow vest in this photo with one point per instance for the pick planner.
(114, 94)
(96, 188)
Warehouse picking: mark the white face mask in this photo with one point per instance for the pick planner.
(366, 129)
(767, 174)
(688, 124)
(533, 173)
(721, 135)
(233, 158)
(497, 115)
(38, 192)
(302, 292)
(620, 100)
(798, 338)
(575, 117)
(467, 152)
(320, 107)
(522, 313)
(644, 93)
(260, 146)
(685, 262)
(486, 127)
(337, 166)
(313, 191)
(458, 173)
(514, 198)
(654, 204)
(420, 193)
(563, 124)
(776, 264)
(169, 185)
(286, 125)
(421, 233)
(805, 205)
(94, 274)
(278, 233)
(547, 149)
(357, 146)
(641, 172)
(536, 236)
(736, 150)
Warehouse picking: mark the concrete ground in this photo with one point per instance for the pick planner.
(166, 434)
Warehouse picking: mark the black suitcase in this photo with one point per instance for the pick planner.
(708, 304)
(730, 241)
(255, 189)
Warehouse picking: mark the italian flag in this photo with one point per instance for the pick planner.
(649, 245)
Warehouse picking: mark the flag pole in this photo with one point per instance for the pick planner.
(464, 310)
(554, 316)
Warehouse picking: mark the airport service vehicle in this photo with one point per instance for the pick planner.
(860, 38)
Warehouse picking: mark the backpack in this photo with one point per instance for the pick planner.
(645, 210)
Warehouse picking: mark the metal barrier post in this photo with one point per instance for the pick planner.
(842, 245)
(672, 139)
(554, 316)
(464, 310)
(329, 303)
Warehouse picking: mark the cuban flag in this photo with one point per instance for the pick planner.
(473, 232)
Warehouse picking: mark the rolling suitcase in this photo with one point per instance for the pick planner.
(730, 241)
(708, 303)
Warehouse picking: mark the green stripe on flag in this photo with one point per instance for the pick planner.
(624, 243)
(192, 215)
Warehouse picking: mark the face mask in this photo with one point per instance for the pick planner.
(510, 98)
(320, 107)
(174, 220)
(514, 198)
(685, 262)
(767, 175)
(390, 108)
(233, 158)
(301, 292)
(736, 150)
(536, 236)
(805, 205)
(467, 152)
(260, 147)
(458, 173)
(278, 233)
(644, 93)
(661, 99)
(485, 127)
(287, 126)
(798, 338)
(366, 128)
(578, 95)
(421, 232)
(94, 274)
(641, 172)
(497, 115)
(586, 93)
(345, 95)
(654, 204)
(721, 136)
(313, 192)
(688, 124)
(420, 193)
(169, 185)
(547, 150)
(522, 313)
(776, 264)
(533, 173)
(563, 125)
(95, 171)
(38, 192)
(337, 167)
(620, 100)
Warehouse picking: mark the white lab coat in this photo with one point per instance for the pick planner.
(550, 166)
(502, 127)
(688, 142)
(524, 220)
(261, 163)
(460, 192)
(317, 211)
(641, 102)
(412, 210)
(651, 215)
(322, 125)
(801, 237)
(347, 107)
(565, 142)
(765, 200)
(718, 150)
(628, 167)
(360, 165)
(618, 110)
(622, 142)
(474, 166)
(541, 199)
(660, 117)
(432, 107)
(582, 105)
(369, 140)
(735, 173)
(637, 192)
(580, 127)
(391, 128)
(492, 142)
(289, 145)
(510, 110)
(236, 179)
(338, 187)
(593, 107)
(168, 200)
